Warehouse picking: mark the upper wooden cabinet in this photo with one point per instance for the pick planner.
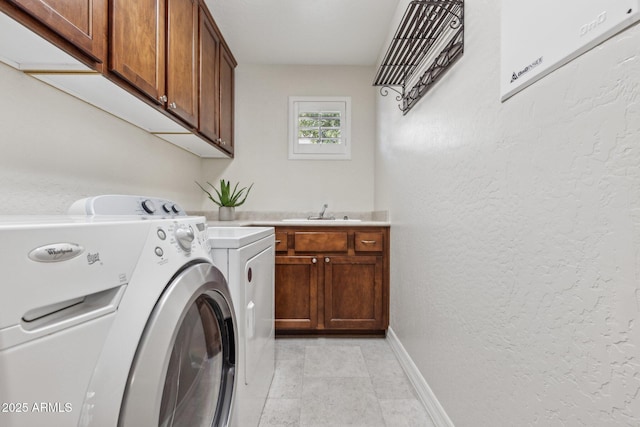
(168, 56)
(194, 80)
(182, 59)
(217, 67)
(137, 45)
(81, 22)
(209, 78)
(227, 101)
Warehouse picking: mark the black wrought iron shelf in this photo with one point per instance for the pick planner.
(429, 39)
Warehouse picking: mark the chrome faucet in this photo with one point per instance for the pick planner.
(321, 214)
(324, 208)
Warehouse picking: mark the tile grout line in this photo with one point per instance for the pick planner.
(304, 362)
(366, 366)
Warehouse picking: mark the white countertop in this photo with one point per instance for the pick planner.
(304, 223)
(284, 219)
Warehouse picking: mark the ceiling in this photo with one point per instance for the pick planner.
(310, 32)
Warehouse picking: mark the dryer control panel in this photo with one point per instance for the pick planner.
(119, 204)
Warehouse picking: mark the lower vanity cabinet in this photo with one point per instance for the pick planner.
(296, 292)
(332, 280)
(353, 293)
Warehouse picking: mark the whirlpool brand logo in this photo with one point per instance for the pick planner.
(516, 75)
(56, 252)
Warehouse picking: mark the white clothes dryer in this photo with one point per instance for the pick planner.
(246, 257)
(113, 321)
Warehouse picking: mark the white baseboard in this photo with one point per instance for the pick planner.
(425, 394)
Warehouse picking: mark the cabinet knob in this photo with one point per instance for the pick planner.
(173, 105)
(314, 260)
(163, 98)
(327, 259)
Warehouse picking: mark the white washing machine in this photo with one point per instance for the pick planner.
(113, 321)
(246, 257)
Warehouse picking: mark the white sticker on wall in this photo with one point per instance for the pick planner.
(537, 37)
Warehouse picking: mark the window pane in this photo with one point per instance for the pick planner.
(308, 123)
(330, 133)
(321, 127)
(329, 123)
(308, 133)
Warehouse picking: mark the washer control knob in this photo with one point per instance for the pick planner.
(166, 207)
(148, 206)
(175, 208)
(184, 237)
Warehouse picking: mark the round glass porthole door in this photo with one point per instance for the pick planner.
(194, 377)
(184, 371)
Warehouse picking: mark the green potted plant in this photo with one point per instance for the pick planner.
(226, 199)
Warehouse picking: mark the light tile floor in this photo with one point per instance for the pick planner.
(333, 382)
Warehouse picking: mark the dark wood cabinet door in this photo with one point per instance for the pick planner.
(296, 292)
(138, 45)
(227, 84)
(182, 59)
(81, 22)
(353, 292)
(209, 107)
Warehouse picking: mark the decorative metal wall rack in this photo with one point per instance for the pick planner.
(429, 39)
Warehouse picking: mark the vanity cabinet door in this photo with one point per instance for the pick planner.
(353, 292)
(296, 292)
(321, 241)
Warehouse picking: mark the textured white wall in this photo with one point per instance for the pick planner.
(55, 149)
(516, 235)
(261, 123)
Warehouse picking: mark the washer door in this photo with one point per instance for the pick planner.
(184, 371)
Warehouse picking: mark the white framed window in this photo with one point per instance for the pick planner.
(319, 127)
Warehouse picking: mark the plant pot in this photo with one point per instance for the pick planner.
(226, 213)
